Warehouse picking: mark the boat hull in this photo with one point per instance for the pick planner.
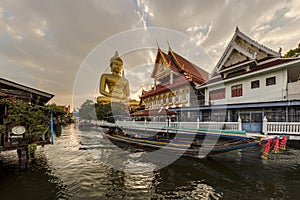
(180, 147)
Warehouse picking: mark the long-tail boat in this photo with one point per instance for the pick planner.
(183, 141)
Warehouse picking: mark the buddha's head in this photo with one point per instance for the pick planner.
(116, 64)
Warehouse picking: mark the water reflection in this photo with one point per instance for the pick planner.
(35, 183)
(75, 168)
(139, 179)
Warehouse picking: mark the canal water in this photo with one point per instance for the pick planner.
(74, 168)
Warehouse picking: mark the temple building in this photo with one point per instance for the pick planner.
(250, 82)
(175, 80)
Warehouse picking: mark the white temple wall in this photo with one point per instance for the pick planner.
(263, 93)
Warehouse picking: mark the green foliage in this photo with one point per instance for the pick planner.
(87, 110)
(69, 118)
(92, 111)
(2, 129)
(34, 118)
(293, 52)
(224, 127)
(31, 150)
(103, 111)
(57, 111)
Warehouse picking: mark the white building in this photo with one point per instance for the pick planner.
(251, 81)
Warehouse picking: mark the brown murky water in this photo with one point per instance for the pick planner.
(65, 170)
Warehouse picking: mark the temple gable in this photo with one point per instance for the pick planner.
(161, 66)
(241, 55)
(234, 58)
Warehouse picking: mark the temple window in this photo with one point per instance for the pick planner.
(237, 90)
(159, 101)
(177, 98)
(170, 100)
(184, 97)
(217, 94)
(271, 81)
(255, 84)
(164, 100)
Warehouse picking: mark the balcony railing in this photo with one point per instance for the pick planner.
(283, 127)
(290, 128)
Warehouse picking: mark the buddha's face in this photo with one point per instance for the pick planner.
(116, 66)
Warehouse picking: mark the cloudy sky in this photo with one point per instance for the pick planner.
(43, 44)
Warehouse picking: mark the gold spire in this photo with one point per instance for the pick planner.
(177, 62)
(115, 57)
(164, 59)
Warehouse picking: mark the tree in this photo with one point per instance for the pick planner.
(87, 110)
(34, 118)
(92, 111)
(104, 112)
(293, 52)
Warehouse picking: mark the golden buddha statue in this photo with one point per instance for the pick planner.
(117, 84)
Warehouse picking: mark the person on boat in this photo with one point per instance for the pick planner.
(117, 84)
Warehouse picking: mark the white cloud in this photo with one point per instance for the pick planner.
(199, 33)
(40, 27)
(39, 32)
(275, 19)
(293, 11)
(143, 12)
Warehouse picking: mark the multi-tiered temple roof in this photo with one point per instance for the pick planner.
(184, 72)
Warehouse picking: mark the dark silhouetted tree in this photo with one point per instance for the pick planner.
(293, 52)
